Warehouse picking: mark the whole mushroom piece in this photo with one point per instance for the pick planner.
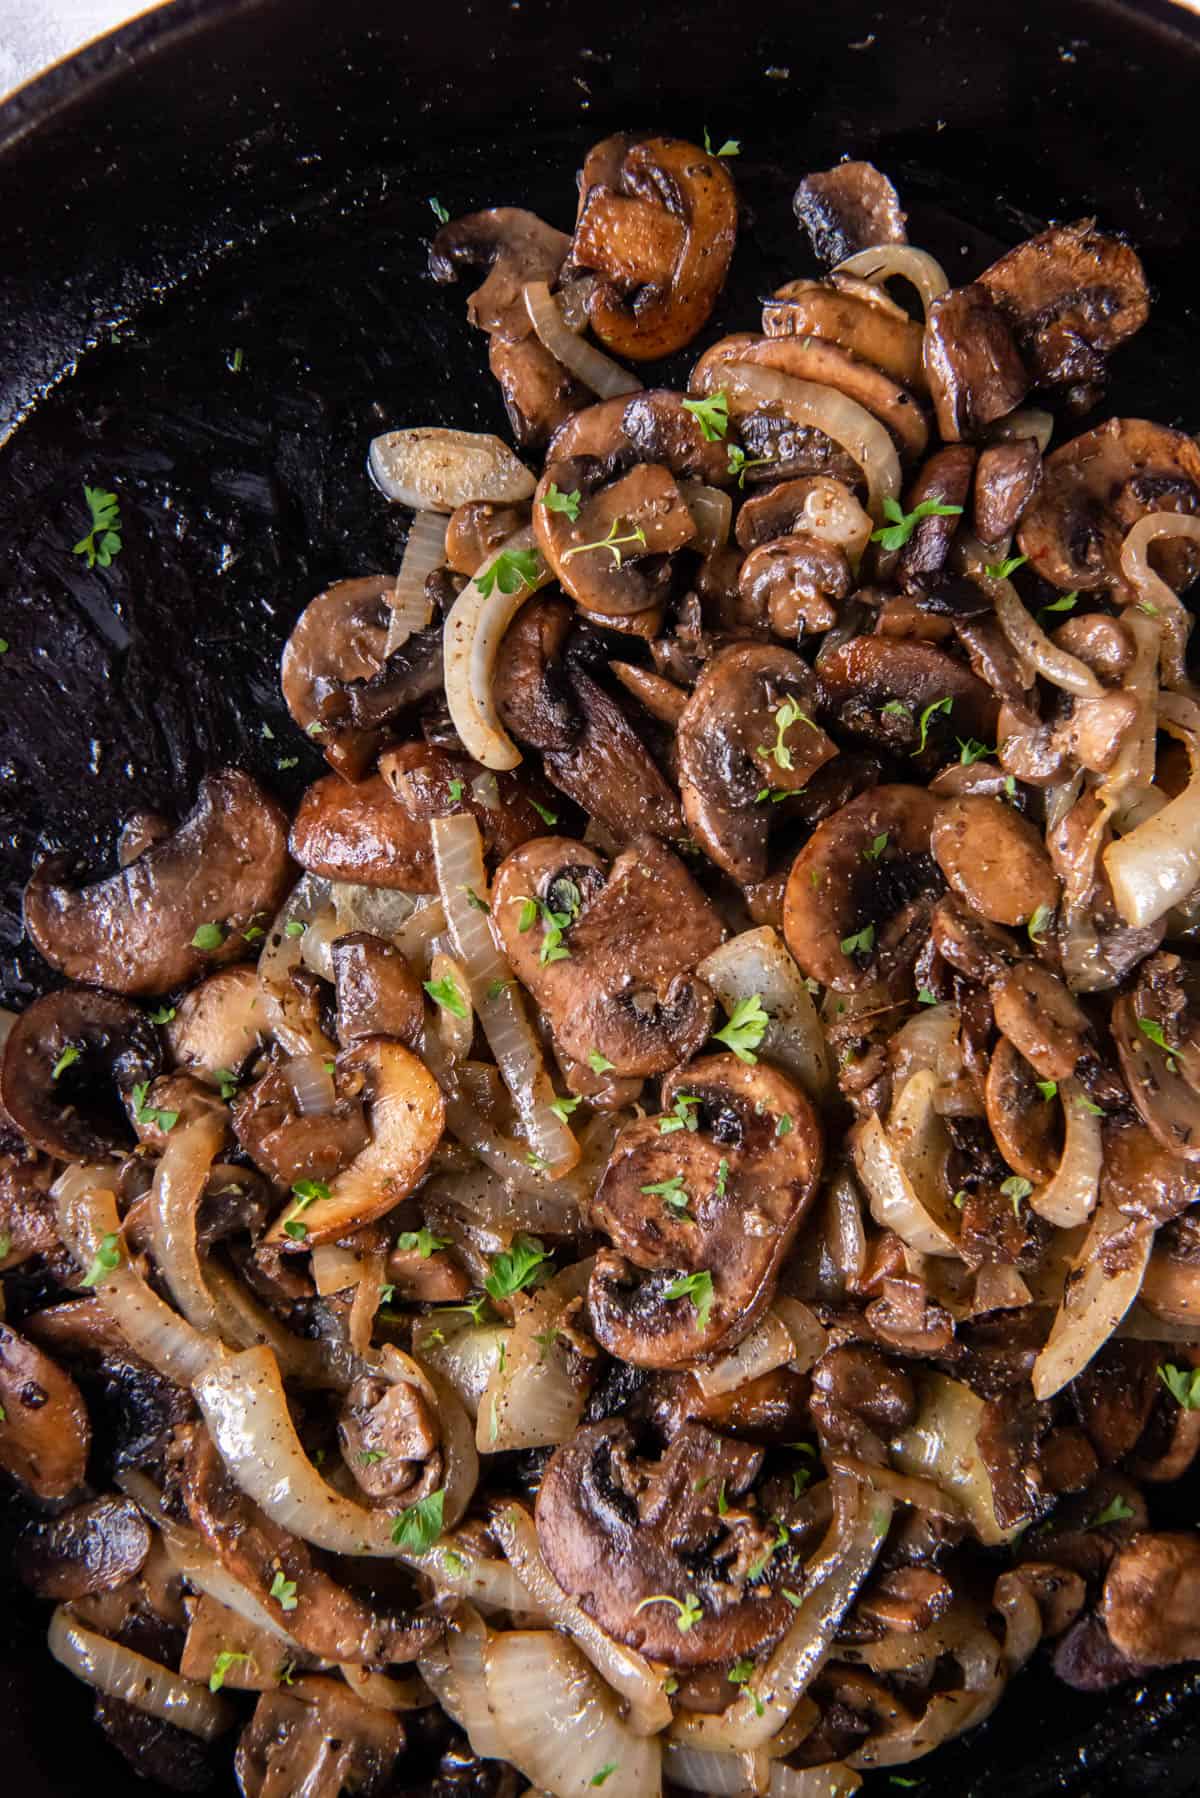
(1071, 294)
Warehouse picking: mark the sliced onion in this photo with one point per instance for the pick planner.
(433, 469)
(456, 1032)
(311, 1084)
(121, 1673)
(387, 1691)
(1095, 1299)
(1153, 592)
(411, 607)
(530, 1400)
(465, 1359)
(588, 364)
(712, 515)
(942, 1446)
(709, 1770)
(244, 1322)
(1069, 1198)
(832, 1780)
(87, 1213)
(281, 956)
(179, 1181)
(502, 1154)
(626, 1671)
(757, 961)
(334, 1269)
(1030, 642)
(832, 515)
(381, 910)
(845, 1232)
(885, 260)
(458, 859)
(748, 387)
(901, 1169)
(475, 626)
(558, 1723)
(1157, 865)
(1026, 421)
(191, 1556)
(1134, 766)
(905, 1488)
(368, 1296)
(788, 1335)
(454, 1670)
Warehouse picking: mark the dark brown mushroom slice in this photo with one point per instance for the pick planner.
(514, 247)
(426, 1279)
(774, 1408)
(329, 1620)
(625, 989)
(356, 831)
(596, 433)
(633, 1539)
(71, 1061)
(794, 585)
(1095, 488)
(225, 867)
(1151, 1602)
(159, 1752)
(810, 359)
(530, 686)
(377, 992)
(45, 1434)
(609, 771)
(1171, 1286)
(995, 859)
(318, 1739)
(974, 369)
(661, 698)
(642, 515)
(430, 782)
(478, 528)
(1038, 1015)
(1071, 294)
(91, 1548)
(944, 480)
(858, 1395)
(1141, 1179)
(1026, 1124)
(1159, 1059)
(780, 510)
(136, 1408)
(286, 1144)
(849, 208)
(173, 1100)
(880, 688)
(1086, 1659)
(538, 392)
(857, 317)
(861, 891)
(28, 1214)
(653, 295)
(746, 733)
(390, 1442)
(1006, 479)
(907, 1600)
(661, 429)
(747, 1174)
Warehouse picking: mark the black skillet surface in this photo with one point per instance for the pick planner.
(252, 176)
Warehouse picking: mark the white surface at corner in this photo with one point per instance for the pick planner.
(36, 33)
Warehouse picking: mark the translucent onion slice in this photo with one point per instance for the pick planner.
(530, 1400)
(625, 1670)
(475, 625)
(334, 1269)
(1157, 865)
(1134, 766)
(788, 1335)
(902, 1168)
(387, 1691)
(588, 364)
(1030, 642)
(941, 1446)
(1069, 1198)
(712, 515)
(464, 1358)
(175, 1196)
(849, 425)
(454, 1671)
(244, 1322)
(433, 469)
(311, 1084)
(281, 955)
(832, 1780)
(558, 1722)
(410, 605)
(1155, 595)
(886, 260)
(456, 1032)
(87, 1214)
(1026, 421)
(191, 1557)
(758, 961)
(381, 910)
(1099, 1291)
(709, 1770)
(148, 1687)
(458, 859)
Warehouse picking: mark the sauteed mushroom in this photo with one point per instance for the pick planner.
(848, 208)
(44, 1430)
(1071, 295)
(70, 1064)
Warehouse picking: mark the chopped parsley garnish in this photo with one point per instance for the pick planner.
(294, 928)
(284, 1590)
(972, 750)
(423, 1241)
(878, 845)
(108, 1257)
(1183, 1383)
(516, 1269)
(681, 1117)
(896, 708)
(544, 813)
(746, 1028)
(1152, 1030)
(418, 1527)
(103, 541)
(67, 1059)
(1047, 1088)
(554, 921)
(1115, 1512)
(612, 542)
(739, 462)
(227, 1658)
(602, 1773)
(699, 1289)
(740, 1674)
(931, 711)
(783, 1124)
(862, 942)
(226, 1082)
(673, 1193)
(456, 792)
(786, 714)
(438, 210)
(512, 568)
(162, 1014)
(1082, 1103)
(771, 795)
(1016, 1189)
(5, 1244)
(370, 1457)
(689, 1612)
(567, 503)
(305, 1193)
(1065, 604)
(475, 902)
(731, 146)
(1039, 923)
(896, 533)
(756, 1570)
(208, 936)
(562, 1108)
(445, 993)
(925, 997)
(150, 1114)
(599, 1064)
(712, 415)
(722, 1177)
(1000, 571)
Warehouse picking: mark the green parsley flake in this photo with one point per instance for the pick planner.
(745, 1029)
(418, 1527)
(67, 1059)
(562, 1108)
(438, 210)
(103, 541)
(931, 711)
(786, 714)
(862, 942)
(878, 845)
(208, 936)
(567, 503)
(689, 1612)
(731, 146)
(445, 993)
(712, 415)
(602, 1773)
(1000, 571)
(1039, 923)
(896, 533)
(681, 1117)
(512, 568)
(227, 1658)
(698, 1288)
(599, 1064)
(612, 542)
(284, 1591)
(518, 1268)
(544, 813)
(423, 1241)
(1115, 1512)
(1183, 1383)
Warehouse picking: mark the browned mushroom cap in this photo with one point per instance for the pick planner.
(660, 236)
(1026, 1125)
(794, 585)
(356, 830)
(44, 1430)
(1102, 644)
(1039, 1017)
(810, 359)
(944, 480)
(1008, 476)
(28, 1215)
(848, 208)
(219, 1024)
(514, 247)
(390, 1442)
(70, 1063)
(1141, 1179)
(1171, 1287)
(746, 733)
(317, 1738)
(994, 858)
(478, 528)
(529, 683)
(91, 1548)
(1151, 1602)
(609, 771)
(881, 688)
(661, 429)
(225, 866)
(1095, 488)
(624, 990)
(337, 682)
(785, 509)
(329, 1620)
(973, 367)
(861, 891)
(618, 1532)
(857, 317)
(1071, 294)
(539, 394)
(429, 782)
(746, 1174)
(377, 992)
(289, 1146)
(610, 518)
(1059, 1592)
(1155, 1032)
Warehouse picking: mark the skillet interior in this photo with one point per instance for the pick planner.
(255, 176)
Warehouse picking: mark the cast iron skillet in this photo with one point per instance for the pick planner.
(253, 175)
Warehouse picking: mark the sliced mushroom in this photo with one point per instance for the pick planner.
(812, 505)
(944, 480)
(514, 247)
(746, 1175)
(1160, 1064)
(746, 733)
(995, 859)
(135, 1407)
(974, 370)
(290, 1146)
(794, 585)
(92, 1548)
(429, 782)
(28, 1215)
(881, 689)
(530, 685)
(1026, 1125)
(1039, 1017)
(1071, 294)
(538, 393)
(1142, 1180)
(1102, 644)
(70, 1063)
(662, 255)
(44, 1430)
(856, 317)
(635, 1540)
(1008, 476)
(1098, 485)
(1151, 1599)
(661, 429)
(848, 208)
(609, 771)
(1171, 1286)
(224, 868)
(317, 1739)
(623, 990)
(357, 831)
(861, 891)
(613, 557)
(219, 1024)
(390, 1441)
(479, 528)
(377, 992)
(811, 359)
